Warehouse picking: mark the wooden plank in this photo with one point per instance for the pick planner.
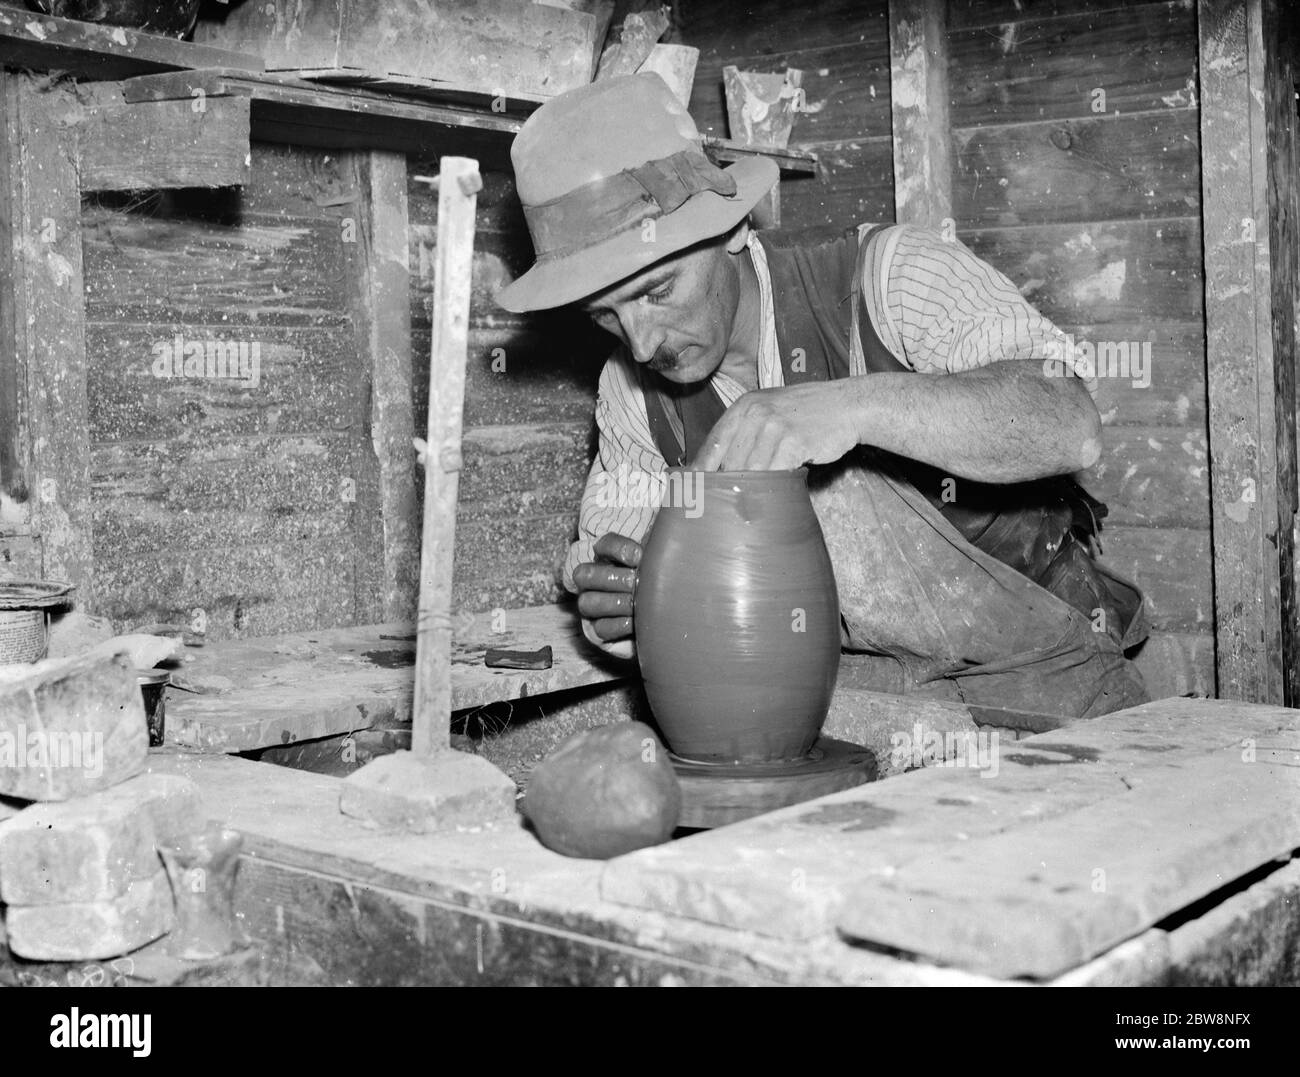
(248, 589)
(306, 382)
(1041, 900)
(262, 272)
(965, 14)
(1025, 67)
(1100, 273)
(288, 109)
(532, 48)
(457, 194)
(793, 160)
(793, 874)
(1121, 168)
(387, 536)
(44, 308)
(918, 98)
(1238, 299)
(767, 26)
(1172, 566)
(1153, 477)
(157, 144)
(96, 51)
(327, 682)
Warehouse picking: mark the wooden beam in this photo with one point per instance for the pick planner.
(202, 142)
(918, 85)
(459, 183)
(387, 520)
(94, 51)
(44, 323)
(1241, 376)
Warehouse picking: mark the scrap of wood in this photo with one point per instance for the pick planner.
(637, 37)
(161, 144)
(448, 354)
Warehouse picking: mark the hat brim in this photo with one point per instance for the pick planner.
(556, 282)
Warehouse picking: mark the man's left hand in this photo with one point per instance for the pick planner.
(780, 429)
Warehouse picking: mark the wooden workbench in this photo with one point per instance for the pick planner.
(1189, 809)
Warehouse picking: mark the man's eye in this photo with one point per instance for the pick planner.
(660, 294)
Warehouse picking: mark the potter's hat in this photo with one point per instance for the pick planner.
(593, 165)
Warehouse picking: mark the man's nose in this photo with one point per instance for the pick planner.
(643, 337)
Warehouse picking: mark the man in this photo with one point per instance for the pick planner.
(911, 374)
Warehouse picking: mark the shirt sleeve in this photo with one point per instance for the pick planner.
(945, 310)
(623, 487)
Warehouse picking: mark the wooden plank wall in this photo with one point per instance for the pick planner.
(842, 48)
(1077, 173)
(236, 508)
(529, 405)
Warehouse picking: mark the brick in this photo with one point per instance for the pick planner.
(69, 727)
(453, 789)
(90, 931)
(86, 850)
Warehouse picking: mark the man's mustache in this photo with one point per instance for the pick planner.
(663, 359)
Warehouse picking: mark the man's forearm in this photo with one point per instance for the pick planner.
(1005, 422)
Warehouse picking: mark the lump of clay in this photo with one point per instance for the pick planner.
(604, 792)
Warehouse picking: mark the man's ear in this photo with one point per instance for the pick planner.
(738, 238)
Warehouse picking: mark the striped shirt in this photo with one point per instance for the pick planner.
(936, 307)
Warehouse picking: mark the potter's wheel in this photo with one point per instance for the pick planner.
(714, 794)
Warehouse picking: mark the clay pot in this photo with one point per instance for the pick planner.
(737, 617)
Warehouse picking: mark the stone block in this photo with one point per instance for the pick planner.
(88, 931)
(69, 727)
(422, 795)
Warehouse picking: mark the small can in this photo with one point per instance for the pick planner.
(153, 687)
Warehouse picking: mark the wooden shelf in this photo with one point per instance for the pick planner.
(92, 51)
(799, 162)
(294, 110)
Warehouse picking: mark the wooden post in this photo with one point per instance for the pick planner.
(918, 86)
(388, 517)
(459, 183)
(1244, 384)
(43, 405)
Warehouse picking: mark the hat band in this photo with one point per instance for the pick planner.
(594, 212)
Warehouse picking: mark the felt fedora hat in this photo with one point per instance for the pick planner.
(612, 179)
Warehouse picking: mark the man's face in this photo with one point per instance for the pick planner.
(675, 316)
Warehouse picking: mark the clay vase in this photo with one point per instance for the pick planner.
(737, 617)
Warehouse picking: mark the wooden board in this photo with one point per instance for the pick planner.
(1099, 273)
(1245, 437)
(855, 184)
(95, 51)
(919, 100)
(532, 48)
(1036, 62)
(798, 873)
(43, 403)
(305, 685)
(1152, 477)
(1126, 167)
(288, 109)
(156, 144)
(1172, 566)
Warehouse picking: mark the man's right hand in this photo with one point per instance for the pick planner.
(606, 591)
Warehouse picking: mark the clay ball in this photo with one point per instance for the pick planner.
(605, 792)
